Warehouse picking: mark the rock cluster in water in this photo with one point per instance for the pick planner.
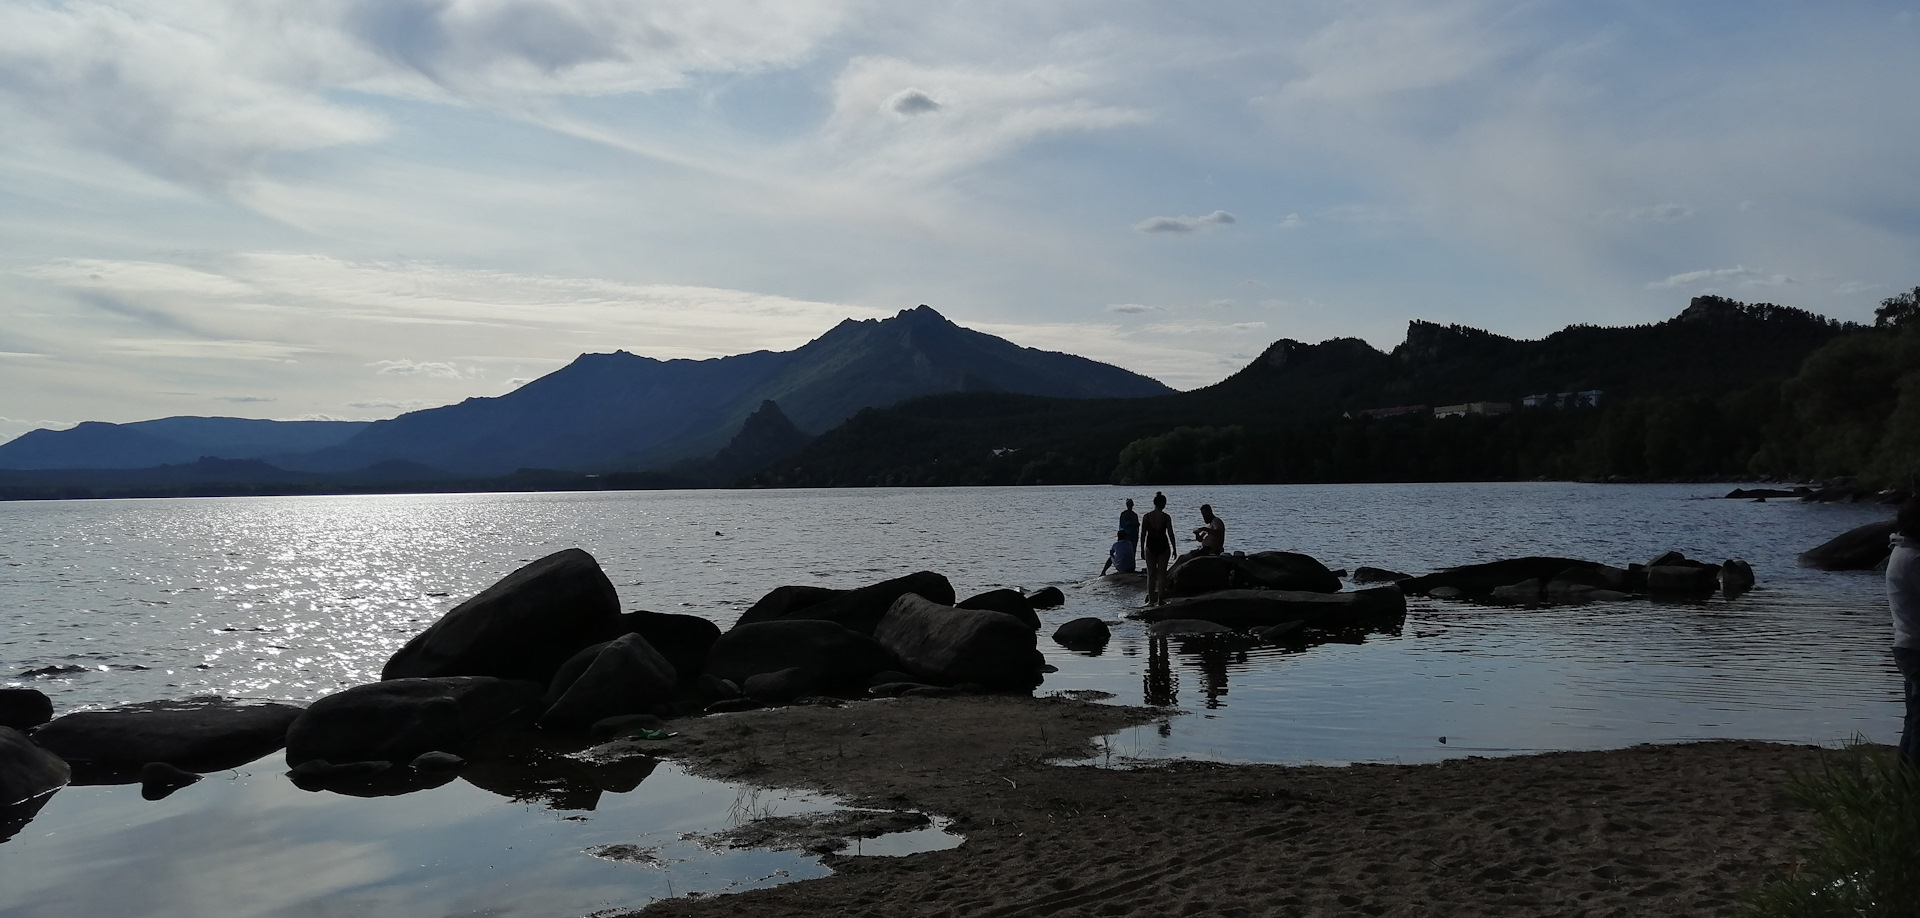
(545, 652)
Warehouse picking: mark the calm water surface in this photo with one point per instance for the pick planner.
(293, 598)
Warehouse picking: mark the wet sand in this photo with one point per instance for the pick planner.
(1651, 830)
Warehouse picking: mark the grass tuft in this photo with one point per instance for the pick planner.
(1866, 863)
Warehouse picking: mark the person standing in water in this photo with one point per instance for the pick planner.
(1212, 536)
(1130, 528)
(1903, 597)
(1157, 547)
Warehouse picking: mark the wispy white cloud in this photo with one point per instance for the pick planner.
(436, 369)
(1134, 308)
(1739, 274)
(1183, 224)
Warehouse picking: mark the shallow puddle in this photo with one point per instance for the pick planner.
(249, 843)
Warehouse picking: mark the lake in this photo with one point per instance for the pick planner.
(293, 598)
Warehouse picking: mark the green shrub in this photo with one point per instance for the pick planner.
(1866, 864)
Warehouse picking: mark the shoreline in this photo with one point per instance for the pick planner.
(1652, 829)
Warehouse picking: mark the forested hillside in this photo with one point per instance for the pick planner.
(1723, 389)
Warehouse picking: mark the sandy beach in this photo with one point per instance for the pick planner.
(1650, 830)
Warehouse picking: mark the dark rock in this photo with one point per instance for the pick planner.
(683, 639)
(1043, 598)
(1683, 577)
(1760, 493)
(935, 691)
(398, 719)
(627, 676)
(198, 734)
(944, 645)
(784, 601)
(784, 685)
(1863, 548)
(1526, 592)
(886, 676)
(1447, 592)
(1364, 574)
(1736, 577)
(65, 669)
(1269, 570)
(1666, 558)
(1480, 579)
(27, 770)
(836, 655)
(158, 780)
(862, 609)
(1012, 602)
(624, 725)
(437, 762)
(1083, 633)
(522, 627)
(1264, 608)
(24, 708)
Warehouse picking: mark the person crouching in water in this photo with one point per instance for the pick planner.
(1213, 535)
(1157, 545)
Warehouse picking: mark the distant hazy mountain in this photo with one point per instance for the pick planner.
(622, 411)
(170, 441)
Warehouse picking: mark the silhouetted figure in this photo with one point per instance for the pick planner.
(1212, 534)
(1157, 545)
(1903, 598)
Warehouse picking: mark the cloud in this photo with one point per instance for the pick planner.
(1743, 275)
(205, 91)
(1183, 224)
(389, 404)
(1134, 308)
(436, 370)
(912, 102)
(1851, 288)
(1292, 221)
(246, 399)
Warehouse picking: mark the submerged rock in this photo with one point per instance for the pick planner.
(1043, 598)
(1262, 608)
(1083, 634)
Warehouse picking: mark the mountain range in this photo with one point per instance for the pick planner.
(613, 412)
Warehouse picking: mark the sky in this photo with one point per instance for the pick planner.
(354, 208)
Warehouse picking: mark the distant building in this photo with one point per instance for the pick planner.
(1488, 409)
(1394, 412)
(1589, 398)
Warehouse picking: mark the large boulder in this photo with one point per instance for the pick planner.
(1863, 548)
(1011, 602)
(1245, 609)
(784, 601)
(1086, 634)
(1736, 577)
(1481, 579)
(947, 645)
(624, 676)
(1683, 576)
(1266, 570)
(523, 627)
(683, 639)
(831, 653)
(24, 708)
(398, 719)
(27, 770)
(195, 734)
(862, 609)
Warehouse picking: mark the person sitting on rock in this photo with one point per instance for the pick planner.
(1213, 535)
(1120, 556)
